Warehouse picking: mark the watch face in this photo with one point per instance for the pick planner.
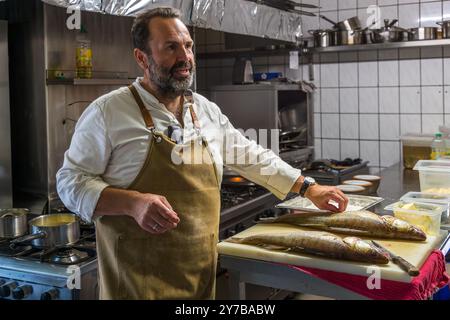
(310, 180)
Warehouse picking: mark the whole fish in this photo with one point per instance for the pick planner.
(362, 223)
(318, 243)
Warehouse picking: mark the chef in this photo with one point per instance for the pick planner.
(157, 214)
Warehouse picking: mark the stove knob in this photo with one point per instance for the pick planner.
(22, 292)
(51, 294)
(5, 290)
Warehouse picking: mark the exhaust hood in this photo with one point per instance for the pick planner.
(233, 16)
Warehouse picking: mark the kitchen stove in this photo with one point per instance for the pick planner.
(63, 273)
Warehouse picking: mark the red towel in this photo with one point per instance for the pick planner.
(432, 277)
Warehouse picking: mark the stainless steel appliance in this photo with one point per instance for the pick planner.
(6, 200)
(62, 273)
(284, 111)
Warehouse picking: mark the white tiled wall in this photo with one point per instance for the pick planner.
(365, 100)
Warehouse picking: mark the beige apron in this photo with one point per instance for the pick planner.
(181, 263)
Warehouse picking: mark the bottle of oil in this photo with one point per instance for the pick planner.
(83, 55)
(437, 147)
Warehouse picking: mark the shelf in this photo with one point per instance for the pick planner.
(246, 53)
(89, 82)
(383, 46)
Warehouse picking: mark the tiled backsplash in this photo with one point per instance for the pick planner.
(366, 100)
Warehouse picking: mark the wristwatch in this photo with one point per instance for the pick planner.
(307, 182)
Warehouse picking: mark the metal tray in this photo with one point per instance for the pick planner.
(355, 202)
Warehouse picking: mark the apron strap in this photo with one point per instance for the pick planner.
(148, 117)
(145, 113)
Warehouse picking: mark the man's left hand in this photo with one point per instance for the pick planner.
(321, 196)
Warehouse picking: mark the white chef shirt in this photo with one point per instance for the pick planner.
(111, 141)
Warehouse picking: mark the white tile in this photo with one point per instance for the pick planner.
(309, 23)
(386, 2)
(388, 73)
(368, 74)
(368, 127)
(389, 100)
(332, 15)
(391, 54)
(410, 72)
(316, 100)
(368, 100)
(389, 153)
(430, 13)
(410, 123)
(430, 52)
(365, 3)
(431, 72)
(364, 16)
(447, 119)
(432, 100)
(329, 75)
(389, 126)
(328, 5)
(329, 100)
(369, 151)
(389, 12)
(349, 149)
(346, 14)
(330, 149)
(409, 16)
(347, 4)
(447, 99)
(349, 126)
(317, 148)
(410, 100)
(375, 170)
(317, 125)
(330, 126)
(446, 11)
(447, 71)
(409, 53)
(348, 74)
(348, 100)
(431, 122)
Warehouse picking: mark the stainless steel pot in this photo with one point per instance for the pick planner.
(322, 38)
(350, 24)
(342, 38)
(424, 33)
(389, 33)
(445, 28)
(52, 230)
(13, 222)
(292, 118)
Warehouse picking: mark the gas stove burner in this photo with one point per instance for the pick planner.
(14, 251)
(68, 256)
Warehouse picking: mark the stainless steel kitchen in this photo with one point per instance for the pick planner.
(251, 152)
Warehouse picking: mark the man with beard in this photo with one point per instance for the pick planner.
(157, 220)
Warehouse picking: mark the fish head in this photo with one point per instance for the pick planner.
(398, 225)
(372, 253)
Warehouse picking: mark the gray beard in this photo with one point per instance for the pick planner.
(167, 85)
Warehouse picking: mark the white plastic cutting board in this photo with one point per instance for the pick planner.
(414, 252)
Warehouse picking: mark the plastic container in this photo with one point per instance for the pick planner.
(440, 199)
(426, 216)
(415, 147)
(434, 176)
(438, 149)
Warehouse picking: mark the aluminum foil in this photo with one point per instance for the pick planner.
(245, 17)
(234, 16)
(126, 7)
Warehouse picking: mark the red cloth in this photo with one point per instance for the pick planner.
(432, 276)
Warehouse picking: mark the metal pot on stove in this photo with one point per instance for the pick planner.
(13, 222)
(52, 230)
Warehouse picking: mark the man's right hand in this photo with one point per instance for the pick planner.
(154, 213)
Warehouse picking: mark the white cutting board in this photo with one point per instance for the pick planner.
(414, 252)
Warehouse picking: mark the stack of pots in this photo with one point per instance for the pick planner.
(347, 32)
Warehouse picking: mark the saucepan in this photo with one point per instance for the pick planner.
(445, 28)
(13, 222)
(350, 24)
(52, 230)
(424, 33)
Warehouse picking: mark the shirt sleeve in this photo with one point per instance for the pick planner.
(254, 162)
(79, 181)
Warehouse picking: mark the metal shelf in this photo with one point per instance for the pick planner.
(89, 82)
(383, 46)
(246, 53)
(99, 78)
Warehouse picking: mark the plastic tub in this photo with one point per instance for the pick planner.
(415, 147)
(426, 216)
(440, 199)
(434, 176)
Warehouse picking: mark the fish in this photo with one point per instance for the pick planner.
(319, 243)
(360, 223)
